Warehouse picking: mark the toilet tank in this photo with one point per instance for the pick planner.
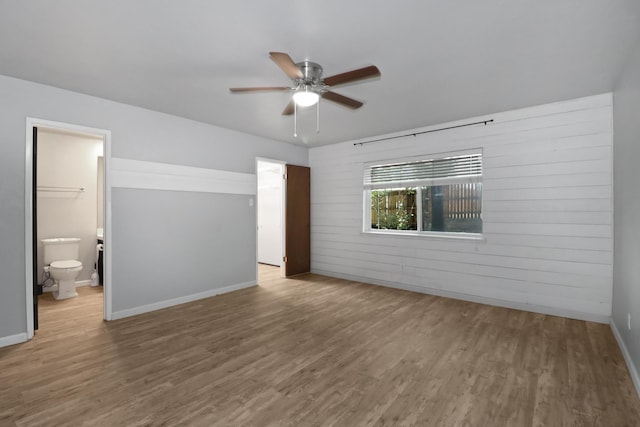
(61, 248)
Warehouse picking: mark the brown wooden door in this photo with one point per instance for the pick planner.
(298, 220)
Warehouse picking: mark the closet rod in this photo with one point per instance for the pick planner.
(484, 122)
(61, 189)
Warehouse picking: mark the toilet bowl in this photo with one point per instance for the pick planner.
(64, 275)
(60, 259)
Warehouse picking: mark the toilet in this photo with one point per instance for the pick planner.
(61, 263)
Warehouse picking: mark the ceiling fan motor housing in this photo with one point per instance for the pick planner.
(311, 74)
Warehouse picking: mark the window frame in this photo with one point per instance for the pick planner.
(368, 188)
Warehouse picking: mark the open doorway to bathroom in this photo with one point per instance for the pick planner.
(270, 217)
(66, 219)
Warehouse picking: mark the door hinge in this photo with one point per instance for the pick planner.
(284, 176)
(284, 259)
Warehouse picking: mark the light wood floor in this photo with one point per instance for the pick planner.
(315, 351)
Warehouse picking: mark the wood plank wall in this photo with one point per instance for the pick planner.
(547, 213)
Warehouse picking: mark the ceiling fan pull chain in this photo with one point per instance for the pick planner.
(295, 120)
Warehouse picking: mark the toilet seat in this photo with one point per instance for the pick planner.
(65, 264)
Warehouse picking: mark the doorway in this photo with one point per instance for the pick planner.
(62, 200)
(270, 212)
(283, 217)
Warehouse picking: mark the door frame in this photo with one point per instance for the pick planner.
(282, 217)
(29, 220)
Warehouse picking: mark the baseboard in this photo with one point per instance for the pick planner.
(177, 301)
(578, 315)
(55, 287)
(83, 283)
(627, 357)
(13, 339)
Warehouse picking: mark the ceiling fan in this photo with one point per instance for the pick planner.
(309, 85)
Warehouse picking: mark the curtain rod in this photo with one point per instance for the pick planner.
(425, 131)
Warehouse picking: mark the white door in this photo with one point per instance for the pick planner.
(270, 186)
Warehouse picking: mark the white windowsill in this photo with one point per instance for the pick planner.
(428, 234)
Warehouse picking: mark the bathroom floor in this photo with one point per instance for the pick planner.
(54, 314)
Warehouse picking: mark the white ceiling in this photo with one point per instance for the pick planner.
(440, 60)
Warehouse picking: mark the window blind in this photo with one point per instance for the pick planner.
(448, 170)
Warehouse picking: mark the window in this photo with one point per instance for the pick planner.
(425, 195)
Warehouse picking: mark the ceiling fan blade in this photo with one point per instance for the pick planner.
(352, 76)
(259, 89)
(341, 99)
(288, 110)
(287, 65)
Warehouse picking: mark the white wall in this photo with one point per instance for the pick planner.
(148, 136)
(100, 185)
(626, 273)
(547, 211)
(270, 198)
(68, 160)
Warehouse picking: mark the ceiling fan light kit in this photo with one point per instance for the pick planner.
(309, 86)
(305, 97)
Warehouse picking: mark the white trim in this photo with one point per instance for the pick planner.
(180, 300)
(78, 283)
(13, 339)
(127, 173)
(589, 317)
(28, 224)
(627, 357)
(65, 127)
(106, 218)
(83, 283)
(477, 237)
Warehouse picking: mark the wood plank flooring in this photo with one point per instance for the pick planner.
(314, 351)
